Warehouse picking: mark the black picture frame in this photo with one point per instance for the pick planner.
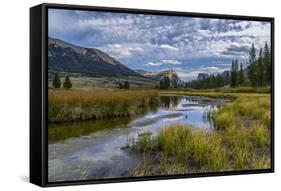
(39, 93)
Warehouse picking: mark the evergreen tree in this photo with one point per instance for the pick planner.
(165, 82)
(234, 73)
(67, 83)
(126, 85)
(219, 81)
(232, 82)
(56, 81)
(226, 79)
(260, 69)
(213, 81)
(241, 75)
(252, 54)
(120, 85)
(252, 74)
(267, 64)
(161, 85)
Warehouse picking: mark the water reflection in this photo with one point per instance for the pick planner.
(92, 149)
(169, 102)
(62, 131)
(187, 110)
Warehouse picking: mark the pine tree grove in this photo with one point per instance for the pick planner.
(257, 73)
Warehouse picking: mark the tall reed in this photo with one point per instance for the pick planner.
(76, 105)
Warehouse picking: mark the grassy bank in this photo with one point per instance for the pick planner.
(242, 89)
(74, 105)
(211, 94)
(246, 89)
(240, 141)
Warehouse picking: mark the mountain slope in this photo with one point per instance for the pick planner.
(66, 57)
(158, 75)
(174, 78)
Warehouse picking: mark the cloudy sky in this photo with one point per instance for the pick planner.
(154, 43)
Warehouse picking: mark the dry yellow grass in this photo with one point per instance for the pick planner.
(75, 105)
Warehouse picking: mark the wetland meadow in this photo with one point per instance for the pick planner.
(139, 95)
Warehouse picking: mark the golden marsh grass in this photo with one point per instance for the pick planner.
(240, 141)
(73, 105)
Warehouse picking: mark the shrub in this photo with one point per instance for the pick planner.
(56, 81)
(67, 83)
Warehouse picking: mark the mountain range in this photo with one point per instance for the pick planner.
(158, 75)
(174, 79)
(66, 57)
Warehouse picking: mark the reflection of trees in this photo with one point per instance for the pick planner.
(165, 101)
(188, 99)
(169, 102)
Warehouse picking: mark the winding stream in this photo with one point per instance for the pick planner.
(93, 149)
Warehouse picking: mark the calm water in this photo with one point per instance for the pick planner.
(93, 149)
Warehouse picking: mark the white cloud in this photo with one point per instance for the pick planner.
(154, 64)
(175, 62)
(163, 62)
(169, 47)
(101, 22)
(122, 50)
(190, 75)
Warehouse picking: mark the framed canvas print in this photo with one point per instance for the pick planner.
(126, 95)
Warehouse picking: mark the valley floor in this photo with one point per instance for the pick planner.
(241, 139)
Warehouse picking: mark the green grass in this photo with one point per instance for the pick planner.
(145, 140)
(260, 135)
(174, 141)
(185, 146)
(247, 106)
(242, 89)
(75, 105)
(223, 119)
(179, 146)
(237, 140)
(240, 141)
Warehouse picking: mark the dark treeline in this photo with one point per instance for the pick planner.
(237, 75)
(212, 81)
(260, 67)
(257, 73)
(164, 83)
